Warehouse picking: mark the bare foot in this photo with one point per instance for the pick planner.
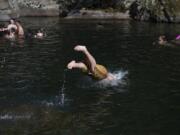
(71, 64)
(80, 48)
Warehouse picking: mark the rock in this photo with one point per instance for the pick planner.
(4, 5)
(156, 10)
(97, 14)
(7, 11)
(15, 8)
(4, 17)
(39, 8)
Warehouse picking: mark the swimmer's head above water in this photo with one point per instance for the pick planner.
(40, 34)
(162, 40)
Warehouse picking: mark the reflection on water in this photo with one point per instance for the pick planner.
(38, 96)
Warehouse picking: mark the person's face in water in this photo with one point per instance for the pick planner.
(161, 40)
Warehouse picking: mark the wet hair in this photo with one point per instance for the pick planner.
(12, 20)
(163, 37)
(41, 30)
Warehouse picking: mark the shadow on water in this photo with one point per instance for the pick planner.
(38, 96)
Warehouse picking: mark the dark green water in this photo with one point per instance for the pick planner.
(39, 97)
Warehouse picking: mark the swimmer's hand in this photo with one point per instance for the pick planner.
(80, 48)
(71, 64)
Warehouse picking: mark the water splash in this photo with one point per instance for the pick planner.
(61, 92)
(60, 99)
(119, 82)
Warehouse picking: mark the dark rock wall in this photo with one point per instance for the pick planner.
(143, 10)
(156, 10)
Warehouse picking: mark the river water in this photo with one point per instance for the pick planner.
(39, 96)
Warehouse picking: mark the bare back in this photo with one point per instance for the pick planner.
(20, 29)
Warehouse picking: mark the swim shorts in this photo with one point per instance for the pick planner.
(100, 72)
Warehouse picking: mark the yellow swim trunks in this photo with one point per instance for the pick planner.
(100, 72)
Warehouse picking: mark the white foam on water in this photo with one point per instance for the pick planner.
(48, 103)
(116, 83)
(57, 101)
(119, 80)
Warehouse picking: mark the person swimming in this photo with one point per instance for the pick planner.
(40, 34)
(163, 41)
(16, 26)
(89, 66)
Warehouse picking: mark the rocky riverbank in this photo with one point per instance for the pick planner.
(97, 14)
(19, 8)
(141, 10)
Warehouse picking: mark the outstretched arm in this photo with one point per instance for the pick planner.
(91, 60)
(78, 65)
(3, 29)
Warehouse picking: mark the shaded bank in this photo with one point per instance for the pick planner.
(17, 8)
(142, 10)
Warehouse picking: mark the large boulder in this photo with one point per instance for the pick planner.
(155, 10)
